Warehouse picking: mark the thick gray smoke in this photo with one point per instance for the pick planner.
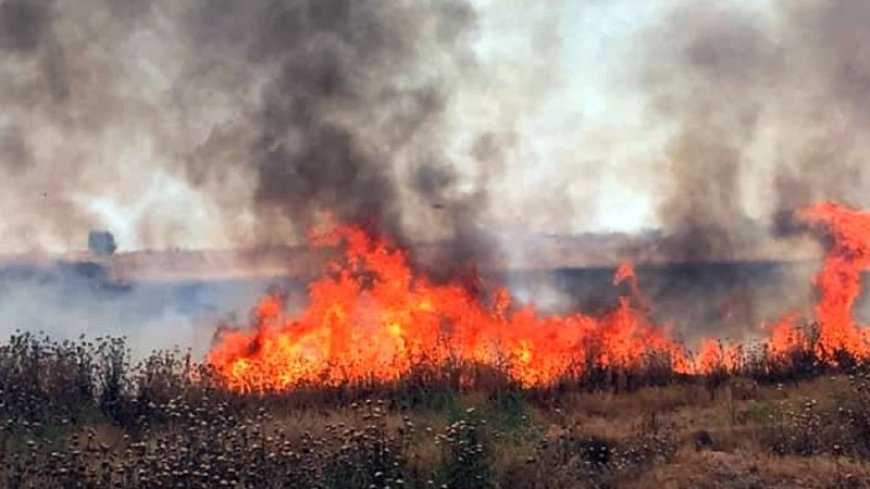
(234, 123)
(345, 93)
(229, 123)
(769, 112)
(264, 113)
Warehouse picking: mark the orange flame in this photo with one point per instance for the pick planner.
(785, 337)
(839, 281)
(373, 319)
(713, 356)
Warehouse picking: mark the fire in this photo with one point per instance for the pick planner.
(713, 356)
(839, 281)
(372, 318)
(785, 337)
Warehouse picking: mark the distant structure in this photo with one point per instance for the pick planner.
(101, 243)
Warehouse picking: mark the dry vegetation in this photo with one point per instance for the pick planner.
(77, 414)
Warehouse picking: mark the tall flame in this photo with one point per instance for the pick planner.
(839, 281)
(372, 318)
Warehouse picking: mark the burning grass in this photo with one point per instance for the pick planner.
(373, 318)
(388, 379)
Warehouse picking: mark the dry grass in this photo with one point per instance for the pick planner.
(79, 416)
(746, 469)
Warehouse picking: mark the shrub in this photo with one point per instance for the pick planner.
(466, 451)
(811, 428)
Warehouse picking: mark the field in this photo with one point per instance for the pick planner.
(77, 414)
(388, 379)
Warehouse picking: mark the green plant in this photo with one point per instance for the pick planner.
(466, 450)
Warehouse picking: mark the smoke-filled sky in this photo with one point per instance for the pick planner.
(224, 123)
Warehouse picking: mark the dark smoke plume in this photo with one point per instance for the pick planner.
(269, 112)
(769, 108)
(346, 97)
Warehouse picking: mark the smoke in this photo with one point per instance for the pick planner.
(768, 113)
(346, 98)
(65, 301)
(258, 116)
(233, 123)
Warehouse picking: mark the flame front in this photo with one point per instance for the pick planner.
(839, 281)
(373, 319)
